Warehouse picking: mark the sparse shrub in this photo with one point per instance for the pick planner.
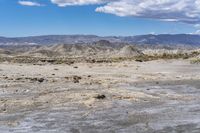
(195, 61)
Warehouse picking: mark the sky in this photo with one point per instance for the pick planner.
(98, 17)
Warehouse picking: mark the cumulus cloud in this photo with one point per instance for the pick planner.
(187, 11)
(29, 3)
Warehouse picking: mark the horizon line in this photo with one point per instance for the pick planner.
(94, 35)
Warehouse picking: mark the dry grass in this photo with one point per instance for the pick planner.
(195, 61)
(94, 59)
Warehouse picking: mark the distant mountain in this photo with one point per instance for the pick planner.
(49, 39)
(166, 39)
(163, 39)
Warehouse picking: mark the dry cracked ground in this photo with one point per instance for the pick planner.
(145, 97)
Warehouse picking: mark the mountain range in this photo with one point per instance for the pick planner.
(162, 39)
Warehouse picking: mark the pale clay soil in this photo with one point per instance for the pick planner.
(149, 97)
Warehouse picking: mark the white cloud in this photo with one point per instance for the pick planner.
(187, 11)
(152, 33)
(197, 32)
(64, 3)
(29, 3)
(197, 25)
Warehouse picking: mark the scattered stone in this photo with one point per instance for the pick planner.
(32, 79)
(138, 60)
(67, 78)
(40, 80)
(18, 79)
(4, 109)
(35, 79)
(92, 61)
(70, 62)
(100, 96)
(76, 79)
(75, 67)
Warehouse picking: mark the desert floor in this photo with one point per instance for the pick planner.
(155, 97)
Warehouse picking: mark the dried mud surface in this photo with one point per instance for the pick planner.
(155, 97)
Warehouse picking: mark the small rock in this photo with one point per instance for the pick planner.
(100, 96)
(138, 60)
(40, 80)
(76, 79)
(18, 78)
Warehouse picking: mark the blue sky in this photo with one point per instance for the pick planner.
(50, 18)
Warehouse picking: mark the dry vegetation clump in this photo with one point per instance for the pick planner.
(167, 56)
(195, 61)
(139, 57)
